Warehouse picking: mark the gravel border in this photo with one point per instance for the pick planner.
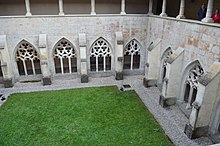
(171, 119)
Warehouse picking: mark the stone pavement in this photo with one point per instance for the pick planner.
(171, 119)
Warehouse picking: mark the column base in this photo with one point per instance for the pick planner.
(8, 83)
(195, 133)
(208, 20)
(150, 13)
(61, 13)
(149, 83)
(180, 17)
(165, 102)
(47, 81)
(93, 13)
(123, 13)
(163, 15)
(119, 76)
(84, 79)
(28, 14)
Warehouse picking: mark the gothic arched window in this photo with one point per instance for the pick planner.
(191, 85)
(165, 56)
(65, 57)
(132, 55)
(100, 56)
(27, 59)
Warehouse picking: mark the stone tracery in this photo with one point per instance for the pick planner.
(192, 85)
(65, 57)
(132, 55)
(27, 58)
(100, 56)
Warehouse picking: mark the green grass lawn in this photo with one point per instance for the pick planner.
(88, 116)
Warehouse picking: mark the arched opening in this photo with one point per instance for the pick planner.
(164, 72)
(191, 87)
(28, 62)
(65, 57)
(100, 56)
(193, 95)
(132, 55)
(1, 73)
(186, 95)
(163, 66)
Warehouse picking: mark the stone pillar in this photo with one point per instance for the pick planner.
(182, 9)
(61, 7)
(44, 63)
(206, 97)
(153, 64)
(122, 7)
(6, 63)
(83, 58)
(119, 56)
(150, 7)
(163, 14)
(27, 5)
(172, 78)
(208, 17)
(93, 7)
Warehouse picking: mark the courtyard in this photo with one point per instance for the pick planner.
(87, 116)
(170, 119)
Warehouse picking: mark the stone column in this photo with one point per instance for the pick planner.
(163, 14)
(93, 7)
(150, 7)
(61, 7)
(122, 7)
(182, 9)
(83, 63)
(119, 46)
(208, 17)
(28, 10)
(44, 63)
(6, 63)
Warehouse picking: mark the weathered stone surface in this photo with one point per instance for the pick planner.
(8, 83)
(195, 133)
(119, 76)
(149, 83)
(47, 81)
(84, 79)
(166, 101)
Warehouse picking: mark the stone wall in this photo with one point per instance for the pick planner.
(29, 28)
(200, 40)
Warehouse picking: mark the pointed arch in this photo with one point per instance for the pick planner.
(132, 56)
(189, 83)
(65, 57)
(100, 55)
(27, 59)
(163, 63)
